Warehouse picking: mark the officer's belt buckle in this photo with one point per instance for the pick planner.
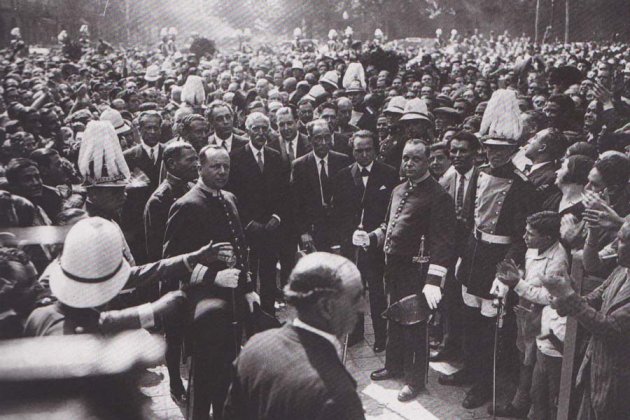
(492, 239)
(420, 259)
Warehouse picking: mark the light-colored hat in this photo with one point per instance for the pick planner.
(415, 109)
(152, 73)
(297, 64)
(101, 161)
(349, 31)
(396, 105)
(92, 269)
(354, 78)
(315, 93)
(114, 117)
(15, 32)
(172, 31)
(332, 34)
(378, 33)
(331, 77)
(63, 35)
(501, 125)
(297, 32)
(84, 29)
(193, 92)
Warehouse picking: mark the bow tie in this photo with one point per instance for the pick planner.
(365, 172)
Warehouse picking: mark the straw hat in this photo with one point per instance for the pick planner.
(92, 269)
(396, 105)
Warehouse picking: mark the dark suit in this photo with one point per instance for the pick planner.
(547, 193)
(259, 196)
(354, 204)
(303, 147)
(155, 218)
(195, 219)
(291, 373)
(50, 201)
(341, 145)
(237, 141)
(287, 232)
(453, 304)
(311, 215)
(137, 196)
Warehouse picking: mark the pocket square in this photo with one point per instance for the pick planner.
(382, 187)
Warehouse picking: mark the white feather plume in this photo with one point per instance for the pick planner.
(501, 118)
(193, 92)
(100, 152)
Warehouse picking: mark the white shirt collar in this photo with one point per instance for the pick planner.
(318, 159)
(294, 140)
(148, 149)
(329, 337)
(218, 139)
(369, 167)
(467, 175)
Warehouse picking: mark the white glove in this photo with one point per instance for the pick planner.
(433, 294)
(227, 278)
(361, 238)
(499, 289)
(252, 297)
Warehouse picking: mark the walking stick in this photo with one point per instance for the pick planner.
(498, 325)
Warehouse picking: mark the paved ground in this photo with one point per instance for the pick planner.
(379, 398)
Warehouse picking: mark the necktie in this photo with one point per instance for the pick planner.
(323, 179)
(291, 152)
(527, 169)
(224, 145)
(459, 202)
(152, 156)
(365, 172)
(261, 165)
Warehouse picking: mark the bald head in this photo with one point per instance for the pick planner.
(327, 291)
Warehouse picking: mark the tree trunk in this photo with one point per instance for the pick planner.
(566, 21)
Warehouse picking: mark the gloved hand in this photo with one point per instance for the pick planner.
(433, 294)
(499, 289)
(227, 278)
(361, 238)
(252, 297)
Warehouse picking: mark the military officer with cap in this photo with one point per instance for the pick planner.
(502, 201)
(417, 238)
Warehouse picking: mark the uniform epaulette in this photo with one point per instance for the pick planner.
(521, 174)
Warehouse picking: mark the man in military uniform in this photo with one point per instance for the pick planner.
(502, 201)
(417, 238)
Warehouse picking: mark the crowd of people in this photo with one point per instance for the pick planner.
(455, 180)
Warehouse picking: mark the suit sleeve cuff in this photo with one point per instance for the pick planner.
(146, 316)
(520, 288)
(198, 274)
(275, 216)
(437, 270)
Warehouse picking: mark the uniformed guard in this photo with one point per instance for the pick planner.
(503, 199)
(417, 238)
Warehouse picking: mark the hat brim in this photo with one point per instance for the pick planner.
(411, 117)
(394, 111)
(86, 295)
(333, 84)
(125, 128)
(151, 78)
(497, 142)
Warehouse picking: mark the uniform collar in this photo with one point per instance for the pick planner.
(207, 189)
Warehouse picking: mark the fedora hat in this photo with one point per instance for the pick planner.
(114, 117)
(92, 269)
(153, 73)
(415, 109)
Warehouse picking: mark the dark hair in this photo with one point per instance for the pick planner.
(462, 135)
(364, 134)
(7, 278)
(187, 121)
(43, 156)
(473, 120)
(149, 113)
(304, 101)
(68, 214)
(566, 104)
(546, 223)
(204, 150)
(614, 169)
(327, 105)
(217, 104)
(174, 150)
(583, 148)
(537, 117)
(15, 166)
(311, 125)
(441, 146)
(578, 167)
(556, 142)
